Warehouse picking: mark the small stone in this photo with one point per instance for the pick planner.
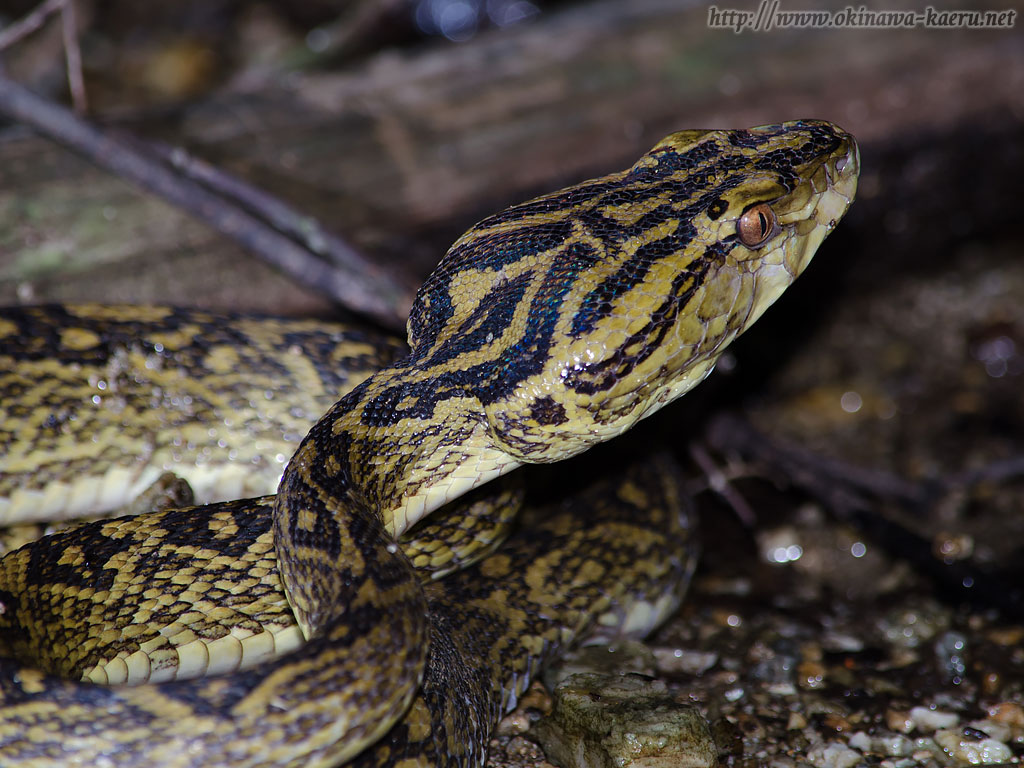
(679, 660)
(911, 628)
(833, 756)
(836, 722)
(796, 722)
(620, 658)
(950, 547)
(811, 674)
(725, 618)
(840, 642)
(860, 740)
(1010, 637)
(515, 751)
(734, 694)
(950, 651)
(537, 698)
(1008, 712)
(781, 689)
(928, 720)
(532, 705)
(998, 731)
(516, 722)
(972, 751)
(751, 726)
(899, 721)
(895, 745)
(622, 721)
(991, 683)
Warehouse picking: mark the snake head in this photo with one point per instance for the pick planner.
(559, 323)
(639, 281)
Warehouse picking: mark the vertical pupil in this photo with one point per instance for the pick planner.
(763, 221)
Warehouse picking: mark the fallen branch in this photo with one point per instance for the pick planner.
(854, 495)
(28, 24)
(351, 280)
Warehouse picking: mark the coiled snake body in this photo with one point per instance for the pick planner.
(546, 329)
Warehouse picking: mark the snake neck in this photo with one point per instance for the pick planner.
(404, 443)
(558, 324)
(386, 455)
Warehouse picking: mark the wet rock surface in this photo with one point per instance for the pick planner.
(613, 721)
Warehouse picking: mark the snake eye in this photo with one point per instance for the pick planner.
(756, 225)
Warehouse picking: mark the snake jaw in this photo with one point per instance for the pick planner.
(806, 220)
(664, 283)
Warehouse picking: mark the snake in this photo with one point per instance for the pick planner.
(548, 328)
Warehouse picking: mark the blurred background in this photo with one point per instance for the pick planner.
(899, 354)
(399, 123)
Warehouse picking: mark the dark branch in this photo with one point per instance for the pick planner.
(25, 26)
(299, 227)
(352, 281)
(854, 495)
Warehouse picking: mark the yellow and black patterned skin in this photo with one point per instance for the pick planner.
(157, 389)
(546, 329)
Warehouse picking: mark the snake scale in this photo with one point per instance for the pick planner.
(546, 329)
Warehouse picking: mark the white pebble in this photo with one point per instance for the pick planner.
(685, 661)
(833, 756)
(994, 728)
(932, 719)
(892, 745)
(861, 741)
(896, 745)
(982, 752)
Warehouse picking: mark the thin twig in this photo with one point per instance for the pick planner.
(355, 283)
(997, 471)
(73, 57)
(718, 481)
(69, 29)
(852, 494)
(14, 32)
(274, 211)
(728, 432)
